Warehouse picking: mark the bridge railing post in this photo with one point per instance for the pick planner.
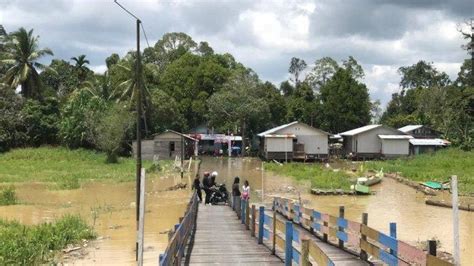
(393, 233)
(247, 215)
(274, 233)
(261, 221)
(242, 210)
(365, 220)
(340, 228)
(288, 243)
(252, 233)
(304, 252)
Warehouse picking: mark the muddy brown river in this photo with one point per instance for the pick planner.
(110, 207)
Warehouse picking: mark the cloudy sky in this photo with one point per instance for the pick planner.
(381, 34)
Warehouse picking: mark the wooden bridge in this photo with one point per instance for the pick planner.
(285, 233)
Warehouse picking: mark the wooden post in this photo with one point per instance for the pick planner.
(455, 203)
(242, 210)
(305, 252)
(325, 236)
(288, 243)
(393, 233)
(247, 215)
(261, 214)
(253, 221)
(274, 232)
(141, 218)
(290, 210)
(340, 228)
(365, 220)
(432, 247)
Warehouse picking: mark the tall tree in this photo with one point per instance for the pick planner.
(80, 65)
(23, 55)
(237, 105)
(422, 74)
(468, 35)
(345, 102)
(322, 71)
(297, 66)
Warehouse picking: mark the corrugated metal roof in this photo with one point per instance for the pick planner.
(276, 129)
(280, 136)
(427, 142)
(409, 128)
(359, 130)
(395, 136)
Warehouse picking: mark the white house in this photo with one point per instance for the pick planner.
(373, 141)
(295, 140)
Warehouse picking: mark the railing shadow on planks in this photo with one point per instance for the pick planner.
(294, 235)
(180, 236)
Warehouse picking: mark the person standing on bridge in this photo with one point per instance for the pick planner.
(246, 190)
(235, 192)
(197, 187)
(206, 186)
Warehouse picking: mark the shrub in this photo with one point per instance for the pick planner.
(8, 196)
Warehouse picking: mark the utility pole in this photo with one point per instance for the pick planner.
(138, 86)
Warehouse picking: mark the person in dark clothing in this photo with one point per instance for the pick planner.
(206, 186)
(236, 195)
(197, 187)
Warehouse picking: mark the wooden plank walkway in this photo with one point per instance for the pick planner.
(221, 239)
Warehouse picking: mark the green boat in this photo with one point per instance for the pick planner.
(360, 189)
(433, 185)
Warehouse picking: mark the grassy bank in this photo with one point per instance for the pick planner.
(67, 168)
(318, 176)
(38, 244)
(438, 166)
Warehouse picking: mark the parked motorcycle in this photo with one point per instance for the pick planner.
(219, 194)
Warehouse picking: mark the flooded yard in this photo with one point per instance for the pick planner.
(110, 208)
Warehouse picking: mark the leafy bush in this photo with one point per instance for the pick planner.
(12, 131)
(41, 121)
(32, 245)
(74, 126)
(8, 196)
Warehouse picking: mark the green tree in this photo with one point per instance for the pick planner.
(61, 78)
(164, 113)
(322, 71)
(12, 126)
(80, 66)
(297, 66)
(237, 105)
(345, 102)
(75, 126)
(170, 47)
(286, 88)
(22, 53)
(422, 75)
(109, 128)
(41, 121)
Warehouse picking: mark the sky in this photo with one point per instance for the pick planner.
(382, 35)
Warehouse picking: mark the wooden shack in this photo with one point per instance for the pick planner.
(420, 132)
(374, 141)
(294, 141)
(168, 145)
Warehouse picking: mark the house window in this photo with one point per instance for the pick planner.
(171, 146)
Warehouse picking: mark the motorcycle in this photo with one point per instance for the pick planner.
(219, 194)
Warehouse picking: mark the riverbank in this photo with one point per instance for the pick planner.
(320, 177)
(438, 166)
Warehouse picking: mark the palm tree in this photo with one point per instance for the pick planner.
(81, 62)
(22, 53)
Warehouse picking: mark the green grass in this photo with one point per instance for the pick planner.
(315, 173)
(64, 167)
(38, 244)
(438, 166)
(8, 196)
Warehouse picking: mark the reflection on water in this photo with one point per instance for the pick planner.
(113, 206)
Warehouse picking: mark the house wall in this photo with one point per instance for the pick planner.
(279, 144)
(315, 142)
(369, 142)
(147, 149)
(424, 132)
(395, 147)
(162, 148)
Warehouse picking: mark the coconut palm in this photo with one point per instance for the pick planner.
(80, 66)
(22, 53)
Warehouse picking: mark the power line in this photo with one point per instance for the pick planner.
(126, 10)
(144, 33)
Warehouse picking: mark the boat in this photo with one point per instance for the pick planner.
(433, 185)
(369, 181)
(360, 189)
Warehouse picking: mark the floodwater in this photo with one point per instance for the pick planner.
(111, 208)
(393, 202)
